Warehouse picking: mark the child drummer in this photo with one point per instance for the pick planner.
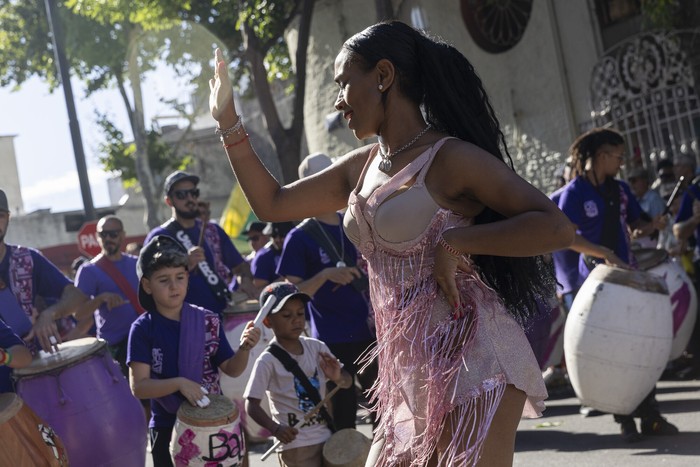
(290, 401)
(176, 349)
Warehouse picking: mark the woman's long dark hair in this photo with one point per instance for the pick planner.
(585, 147)
(438, 77)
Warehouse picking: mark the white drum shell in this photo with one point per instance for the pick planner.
(617, 341)
(684, 303)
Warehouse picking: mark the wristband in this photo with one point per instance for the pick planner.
(229, 146)
(449, 248)
(5, 357)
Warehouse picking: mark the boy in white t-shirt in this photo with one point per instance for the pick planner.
(289, 402)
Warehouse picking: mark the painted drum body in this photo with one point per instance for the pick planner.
(346, 448)
(681, 290)
(618, 338)
(208, 436)
(83, 395)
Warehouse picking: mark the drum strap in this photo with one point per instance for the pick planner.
(292, 366)
(116, 275)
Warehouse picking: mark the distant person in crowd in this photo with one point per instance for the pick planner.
(110, 280)
(265, 263)
(133, 248)
(649, 200)
(13, 354)
(176, 350)
(603, 208)
(322, 262)
(213, 259)
(24, 275)
(256, 238)
(685, 166)
(665, 175)
(292, 398)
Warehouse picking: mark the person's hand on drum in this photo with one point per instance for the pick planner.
(221, 94)
(285, 433)
(192, 391)
(250, 337)
(112, 300)
(46, 331)
(612, 259)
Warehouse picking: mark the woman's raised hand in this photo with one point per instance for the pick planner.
(221, 93)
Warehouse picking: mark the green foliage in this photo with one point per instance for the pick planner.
(119, 157)
(661, 13)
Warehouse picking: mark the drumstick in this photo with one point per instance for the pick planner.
(269, 303)
(674, 194)
(307, 417)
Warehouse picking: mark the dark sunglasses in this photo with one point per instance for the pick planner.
(182, 194)
(109, 234)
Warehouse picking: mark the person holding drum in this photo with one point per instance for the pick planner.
(450, 257)
(110, 279)
(213, 258)
(13, 354)
(176, 349)
(289, 400)
(604, 211)
(26, 274)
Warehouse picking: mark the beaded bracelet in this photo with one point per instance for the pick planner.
(229, 146)
(449, 248)
(223, 133)
(5, 357)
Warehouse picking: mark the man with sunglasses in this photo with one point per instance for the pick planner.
(213, 260)
(264, 265)
(110, 279)
(24, 275)
(256, 238)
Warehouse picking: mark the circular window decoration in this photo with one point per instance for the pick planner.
(496, 25)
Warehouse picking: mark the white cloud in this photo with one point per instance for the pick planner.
(62, 192)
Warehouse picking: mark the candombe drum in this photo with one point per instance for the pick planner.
(25, 439)
(346, 448)
(684, 298)
(235, 319)
(208, 436)
(617, 338)
(81, 392)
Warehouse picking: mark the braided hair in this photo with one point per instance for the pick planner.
(584, 148)
(427, 68)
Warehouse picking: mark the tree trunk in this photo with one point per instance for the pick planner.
(138, 128)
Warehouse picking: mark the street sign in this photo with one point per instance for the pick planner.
(87, 239)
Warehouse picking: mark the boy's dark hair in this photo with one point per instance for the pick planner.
(159, 253)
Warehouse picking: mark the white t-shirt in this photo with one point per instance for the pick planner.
(289, 401)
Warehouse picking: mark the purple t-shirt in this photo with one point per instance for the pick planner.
(112, 325)
(264, 264)
(199, 292)
(565, 261)
(338, 314)
(686, 212)
(48, 283)
(585, 207)
(155, 341)
(7, 339)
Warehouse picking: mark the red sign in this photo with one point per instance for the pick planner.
(87, 239)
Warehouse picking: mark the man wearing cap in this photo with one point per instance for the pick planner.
(24, 275)
(264, 265)
(649, 200)
(320, 259)
(213, 259)
(256, 238)
(110, 279)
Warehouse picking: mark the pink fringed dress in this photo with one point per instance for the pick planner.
(431, 366)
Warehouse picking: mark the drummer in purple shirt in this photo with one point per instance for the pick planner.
(603, 209)
(24, 275)
(13, 354)
(110, 279)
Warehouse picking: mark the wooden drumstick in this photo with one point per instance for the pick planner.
(307, 417)
(674, 194)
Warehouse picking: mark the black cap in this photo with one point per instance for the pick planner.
(278, 229)
(255, 226)
(178, 176)
(282, 291)
(3, 202)
(144, 265)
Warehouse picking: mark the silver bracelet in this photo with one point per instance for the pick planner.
(224, 133)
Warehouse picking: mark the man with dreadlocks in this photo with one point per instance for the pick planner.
(604, 209)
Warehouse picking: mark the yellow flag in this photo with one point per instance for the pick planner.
(236, 214)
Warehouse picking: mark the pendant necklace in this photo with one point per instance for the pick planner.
(385, 163)
(340, 263)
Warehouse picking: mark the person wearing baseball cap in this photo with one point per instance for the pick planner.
(176, 349)
(290, 400)
(264, 264)
(256, 238)
(213, 260)
(25, 274)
